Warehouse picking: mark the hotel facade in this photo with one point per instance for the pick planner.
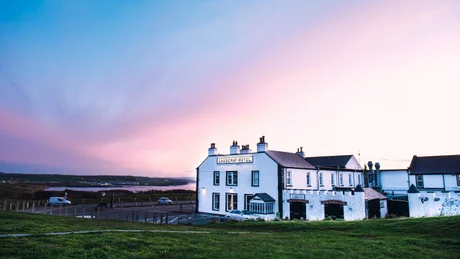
(277, 184)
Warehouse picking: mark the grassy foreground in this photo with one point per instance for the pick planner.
(389, 238)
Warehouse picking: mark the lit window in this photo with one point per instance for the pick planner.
(232, 201)
(288, 178)
(255, 178)
(308, 179)
(215, 201)
(232, 178)
(419, 181)
(216, 177)
(321, 179)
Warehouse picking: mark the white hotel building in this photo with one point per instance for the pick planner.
(282, 184)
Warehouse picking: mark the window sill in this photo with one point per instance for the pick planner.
(254, 185)
(321, 185)
(289, 185)
(309, 185)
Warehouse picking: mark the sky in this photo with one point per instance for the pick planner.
(143, 87)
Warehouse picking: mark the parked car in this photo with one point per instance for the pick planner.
(58, 201)
(164, 200)
(241, 215)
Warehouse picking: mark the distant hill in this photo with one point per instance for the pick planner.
(94, 180)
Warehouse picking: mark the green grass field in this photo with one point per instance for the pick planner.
(385, 238)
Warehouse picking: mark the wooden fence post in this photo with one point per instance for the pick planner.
(17, 206)
(145, 217)
(83, 212)
(132, 218)
(161, 218)
(44, 209)
(66, 210)
(92, 212)
(97, 213)
(38, 205)
(27, 204)
(167, 218)
(23, 206)
(60, 207)
(5, 203)
(75, 212)
(33, 207)
(51, 209)
(156, 217)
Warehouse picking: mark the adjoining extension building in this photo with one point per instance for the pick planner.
(286, 185)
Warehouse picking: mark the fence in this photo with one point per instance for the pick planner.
(180, 213)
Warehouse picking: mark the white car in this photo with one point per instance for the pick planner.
(241, 215)
(164, 200)
(56, 201)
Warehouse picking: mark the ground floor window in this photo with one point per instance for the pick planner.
(261, 207)
(232, 201)
(215, 201)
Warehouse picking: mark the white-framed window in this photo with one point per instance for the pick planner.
(419, 181)
(333, 179)
(231, 201)
(458, 179)
(216, 178)
(320, 179)
(289, 178)
(308, 179)
(341, 179)
(232, 178)
(215, 201)
(261, 208)
(359, 179)
(255, 179)
(350, 180)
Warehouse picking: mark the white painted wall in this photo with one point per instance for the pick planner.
(268, 181)
(426, 204)
(394, 181)
(451, 182)
(433, 181)
(353, 164)
(354, 210)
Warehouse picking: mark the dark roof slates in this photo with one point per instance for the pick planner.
(329, 161)
(287, 159)
(435, 165)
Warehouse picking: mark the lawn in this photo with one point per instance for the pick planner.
(437, 237)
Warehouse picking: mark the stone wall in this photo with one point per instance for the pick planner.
(355, 208)
(430, 204)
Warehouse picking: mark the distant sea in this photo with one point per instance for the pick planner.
(132, 188)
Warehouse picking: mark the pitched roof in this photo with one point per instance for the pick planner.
(435, 165)
(371, 194)
(287, 159)
(264, 196)
(329, 161)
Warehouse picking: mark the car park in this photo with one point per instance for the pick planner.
(165, 201)
(241, 215)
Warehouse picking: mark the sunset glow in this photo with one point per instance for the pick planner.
(143, 87)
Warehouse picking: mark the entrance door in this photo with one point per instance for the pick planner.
(373, 208)
(298, 210)
(335, 211)
(247, 199)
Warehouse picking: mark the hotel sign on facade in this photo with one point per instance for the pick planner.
(234, 159)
